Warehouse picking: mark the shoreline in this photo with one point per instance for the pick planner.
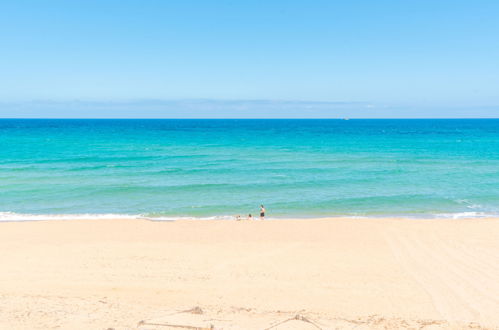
(338, 273)
(17, 217)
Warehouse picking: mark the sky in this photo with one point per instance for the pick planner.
(246, 59)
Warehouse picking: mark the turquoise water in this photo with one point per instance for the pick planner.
(168, 169)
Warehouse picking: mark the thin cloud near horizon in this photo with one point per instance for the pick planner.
(226, 108)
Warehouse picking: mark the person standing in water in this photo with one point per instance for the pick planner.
(262, 212)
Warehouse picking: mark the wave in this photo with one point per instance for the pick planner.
(14, 217)
(465, 215)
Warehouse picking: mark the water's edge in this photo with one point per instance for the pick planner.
(17, 217)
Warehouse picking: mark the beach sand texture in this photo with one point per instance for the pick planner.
(286, 274)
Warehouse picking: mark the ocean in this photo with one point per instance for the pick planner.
(209, 169)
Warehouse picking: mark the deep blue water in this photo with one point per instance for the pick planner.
(205, 168)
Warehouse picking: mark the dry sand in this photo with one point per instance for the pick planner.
(287, 274)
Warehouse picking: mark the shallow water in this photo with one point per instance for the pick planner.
(166, 169)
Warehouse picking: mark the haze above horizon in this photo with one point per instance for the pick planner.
(226, 59)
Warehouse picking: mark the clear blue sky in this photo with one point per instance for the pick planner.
(378, 58)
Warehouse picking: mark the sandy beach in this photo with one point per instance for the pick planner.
(285, 274)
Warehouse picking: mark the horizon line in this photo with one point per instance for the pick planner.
(232, 118)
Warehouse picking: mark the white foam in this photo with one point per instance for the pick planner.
(461, 215)
(12, 216)
(172, 218)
